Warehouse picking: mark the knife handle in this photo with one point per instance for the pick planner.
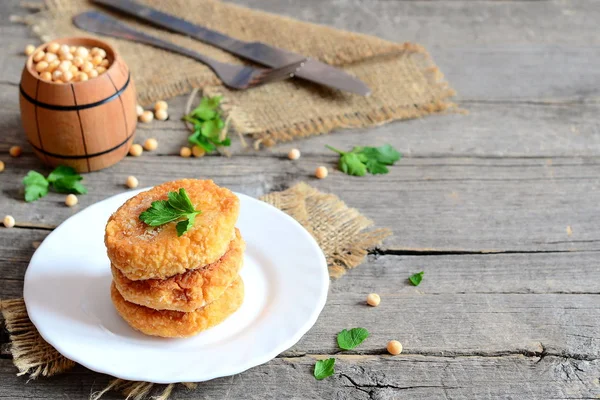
(106, 25)
(170, 22)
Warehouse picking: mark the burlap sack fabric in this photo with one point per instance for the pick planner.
(404, 81)
(343, 234)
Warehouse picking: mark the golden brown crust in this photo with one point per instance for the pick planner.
(188, 291)
(166, 323)
(143, 252)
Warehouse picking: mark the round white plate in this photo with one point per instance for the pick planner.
(68, 300)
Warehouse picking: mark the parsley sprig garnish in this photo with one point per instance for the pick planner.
(361, 160)
(324, 368)
(63, 180)
(177, 206)
(208, 125)
(349, 339)
(416, 279)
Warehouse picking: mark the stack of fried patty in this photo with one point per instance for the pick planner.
(176, 286)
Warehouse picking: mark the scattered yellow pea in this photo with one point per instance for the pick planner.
(57, 75)
(41, 66)
(373, 299)
(46, 76)
(81, 52)
(394, 347)
(93, 73)
(131, 182)
(29, 49)
(82, 76)
(150, 144)
(198, 151)
(100, 70)
(294, 154)
(71, 200)
(74, 70)
(59, 81)
(66, 57)
(104, 63)
(64, 49)
(139, 110)
(67, 76)
(65, 66)
(72, 49)
(77, 61)
(185, 152)
(15, 151)
(161, 114)
(96, 60)
(136, 150)
(94, 51)
(147, 116)
(53, 47)
(53, 65)
(87, 67)
(1, 166)
(161, 105)
(9, 221)
(37, 57)
(321, 172)
(49, 57)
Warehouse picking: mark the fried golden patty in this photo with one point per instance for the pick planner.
(143, 252)
(166, 323)
(188, 291)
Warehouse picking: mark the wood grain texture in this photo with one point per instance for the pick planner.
(359, 377)
(499, 207)
(432, 204)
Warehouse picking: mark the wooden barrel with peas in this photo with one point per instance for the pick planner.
(87, 121)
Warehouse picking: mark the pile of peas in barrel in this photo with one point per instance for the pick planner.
(62, 63)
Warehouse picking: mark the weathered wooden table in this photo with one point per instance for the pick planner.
(499, 207)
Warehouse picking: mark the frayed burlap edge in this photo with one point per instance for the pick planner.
(31, 354)
(243, 123)
(342, 232)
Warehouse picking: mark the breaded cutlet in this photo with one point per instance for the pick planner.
(188, 291)
(143, 252)
(166, 323)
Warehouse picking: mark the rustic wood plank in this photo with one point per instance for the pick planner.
(530, 69)
(449, 204)
(483, 304)
(518, 273)
(370, 377)
(495, 130)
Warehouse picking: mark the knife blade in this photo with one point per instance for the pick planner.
(313, 70)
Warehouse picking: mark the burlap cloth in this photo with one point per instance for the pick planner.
(403, 78)
(343, 234)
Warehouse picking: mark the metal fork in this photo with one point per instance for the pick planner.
(233, 76)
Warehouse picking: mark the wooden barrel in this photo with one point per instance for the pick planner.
(87, 125)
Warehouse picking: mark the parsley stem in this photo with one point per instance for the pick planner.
(334, 149)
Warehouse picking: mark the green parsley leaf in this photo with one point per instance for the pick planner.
(350, 164)
(69, 184)
(324, 368)
(63, 179)
(349, 339)
(36, 186)
(208, 125)
(361, 160)
(177, 207)
(416, 278)
(210, 129)
(61, 172)
(181, 201)
(160, 213)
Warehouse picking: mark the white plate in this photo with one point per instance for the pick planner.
(68, 300)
